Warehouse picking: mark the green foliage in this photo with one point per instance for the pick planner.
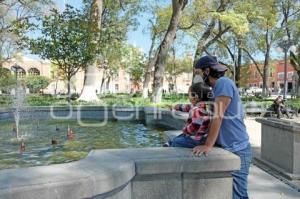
(134, 62)
(237, 21)
(178, 66)
(7, 80)
(5, 101)
(36, 83)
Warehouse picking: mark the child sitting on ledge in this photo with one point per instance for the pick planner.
(195, 131)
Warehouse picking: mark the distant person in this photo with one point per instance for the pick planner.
(54, 141)
(280, 108)
(14, 131)
(22, 146)
(195, 131)
(70, 134)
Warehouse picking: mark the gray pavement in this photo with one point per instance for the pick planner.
(262, 185)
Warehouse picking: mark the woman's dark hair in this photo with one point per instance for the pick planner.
(201, 90)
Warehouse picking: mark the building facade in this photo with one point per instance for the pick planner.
(120, 82)
(276, 76)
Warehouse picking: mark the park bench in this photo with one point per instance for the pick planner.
(255, 109)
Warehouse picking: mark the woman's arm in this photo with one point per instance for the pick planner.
(221, 104)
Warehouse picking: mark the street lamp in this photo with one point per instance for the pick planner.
(285, 45)
(15, 68)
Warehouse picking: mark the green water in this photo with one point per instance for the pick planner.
(39, 150)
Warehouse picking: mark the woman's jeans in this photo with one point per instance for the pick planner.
(186, 141)
(240, 178)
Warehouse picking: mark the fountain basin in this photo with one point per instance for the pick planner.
(124, 173)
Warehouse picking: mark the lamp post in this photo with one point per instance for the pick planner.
(285, 45)
(15, 68)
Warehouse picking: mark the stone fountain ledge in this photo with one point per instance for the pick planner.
(150, 173)
(126, 174)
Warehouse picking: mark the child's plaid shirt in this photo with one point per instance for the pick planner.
(198, 121)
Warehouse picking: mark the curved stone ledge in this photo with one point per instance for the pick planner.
(114, 171)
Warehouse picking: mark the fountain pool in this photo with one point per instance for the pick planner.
(38, 136)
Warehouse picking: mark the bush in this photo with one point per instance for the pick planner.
(36, 83)
(5, 100)
(41, 100)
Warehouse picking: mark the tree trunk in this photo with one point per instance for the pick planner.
(147, 77)
(107, 83)
(298, 85)
(150, 65)
(238, 67)
(102, 85)
(178, 6)
(55, 87)
(69, 87)
(89, 88)
(266, 64)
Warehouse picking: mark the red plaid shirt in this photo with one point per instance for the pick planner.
(198, 121)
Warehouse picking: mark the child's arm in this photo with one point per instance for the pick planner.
(182, 107)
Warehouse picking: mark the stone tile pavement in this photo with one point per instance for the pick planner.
(263, 185)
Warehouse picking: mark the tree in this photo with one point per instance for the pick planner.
(290, 22)
(162, 52)
(265, 31)
(7, 80)
(295, 61)
(15, 16)
(36, 83)
(89, 92)
(158, 27)
(67, 40)
(175, 67)
(135, 66)
(114, 19)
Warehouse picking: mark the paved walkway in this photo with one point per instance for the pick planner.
(261, 184)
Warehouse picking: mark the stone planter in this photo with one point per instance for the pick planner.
(280, 146)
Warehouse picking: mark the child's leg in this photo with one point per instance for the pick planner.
(184, 141)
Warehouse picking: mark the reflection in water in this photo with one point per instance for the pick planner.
(46, 142)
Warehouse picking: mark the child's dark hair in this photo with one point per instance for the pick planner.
(201, 90)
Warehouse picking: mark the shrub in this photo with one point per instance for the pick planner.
(36, 83)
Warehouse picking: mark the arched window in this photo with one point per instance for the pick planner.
(19, 71)
(34, 71)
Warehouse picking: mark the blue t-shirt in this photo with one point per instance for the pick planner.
(233, 134)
